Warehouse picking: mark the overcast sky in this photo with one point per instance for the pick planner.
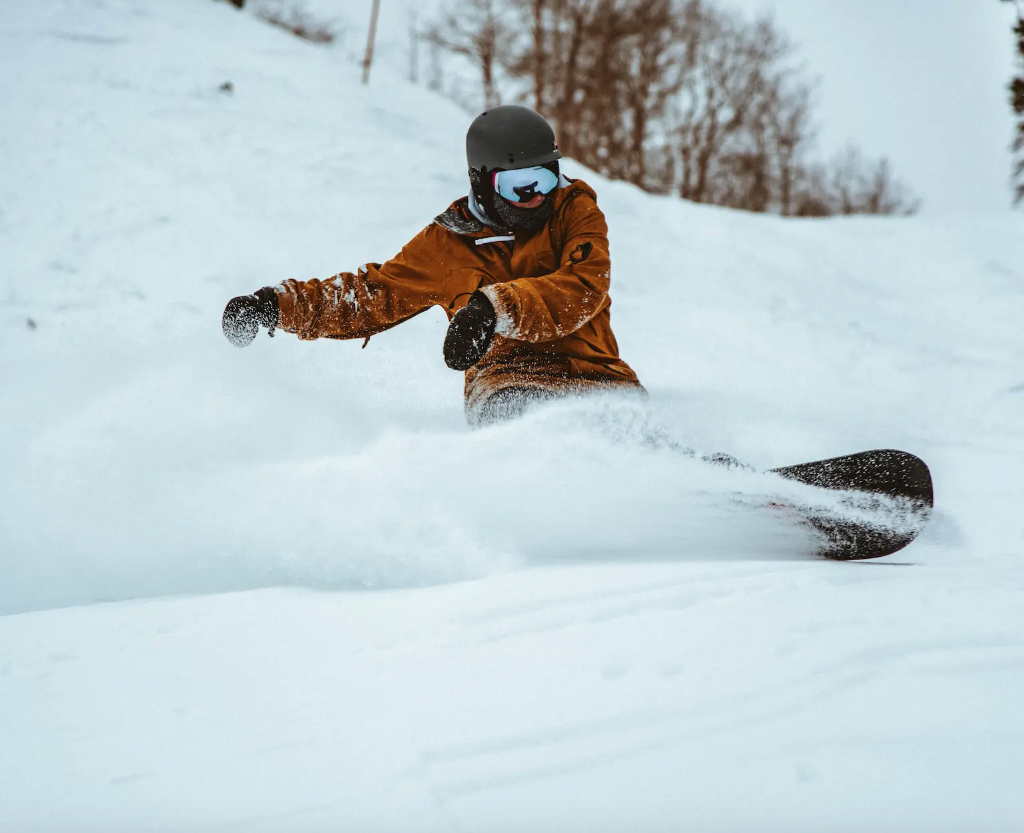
(920, 81)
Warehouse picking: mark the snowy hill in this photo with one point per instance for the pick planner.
(328, 604)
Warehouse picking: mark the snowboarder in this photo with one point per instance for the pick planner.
(520, 265)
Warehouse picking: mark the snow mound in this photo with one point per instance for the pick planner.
(146, 456)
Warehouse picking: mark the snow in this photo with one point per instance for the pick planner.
(287, 588)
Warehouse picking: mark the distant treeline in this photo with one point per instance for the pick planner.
(675, 96)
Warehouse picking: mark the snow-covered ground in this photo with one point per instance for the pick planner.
(286, 588)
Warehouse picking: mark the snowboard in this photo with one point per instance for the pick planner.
(895, 485)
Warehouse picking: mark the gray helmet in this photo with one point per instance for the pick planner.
(510, 136)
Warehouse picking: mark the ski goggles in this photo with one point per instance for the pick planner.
(523, 184)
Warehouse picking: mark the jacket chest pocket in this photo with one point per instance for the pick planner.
(491, 264)
(534, 261)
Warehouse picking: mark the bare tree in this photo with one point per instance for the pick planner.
(650, 78)
(853, 184)
(472, 28)
(790, 122)
(435, 75)
(569, 26)
(528, 57)
(885, 194)
(727, 64)
(673, 95)
(593, 107)
(371, 37)
(810, 197)
(414, 48)
(599, 69)
(846, 181)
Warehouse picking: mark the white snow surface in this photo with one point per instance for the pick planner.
(287, 588)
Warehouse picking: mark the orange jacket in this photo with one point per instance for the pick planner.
(549, 290)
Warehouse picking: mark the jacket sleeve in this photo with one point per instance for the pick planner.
(377, 296)
(553, 306)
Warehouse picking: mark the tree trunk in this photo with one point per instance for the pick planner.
(371, 37)
(538, 55)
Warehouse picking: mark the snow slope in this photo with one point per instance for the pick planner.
(328, 604)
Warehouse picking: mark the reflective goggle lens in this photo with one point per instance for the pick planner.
(523, 184)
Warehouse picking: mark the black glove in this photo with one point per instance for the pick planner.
(244, 315)
(470, 333)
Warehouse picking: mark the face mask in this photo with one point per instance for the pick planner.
(522, 219)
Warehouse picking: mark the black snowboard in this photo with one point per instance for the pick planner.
(884, 473)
